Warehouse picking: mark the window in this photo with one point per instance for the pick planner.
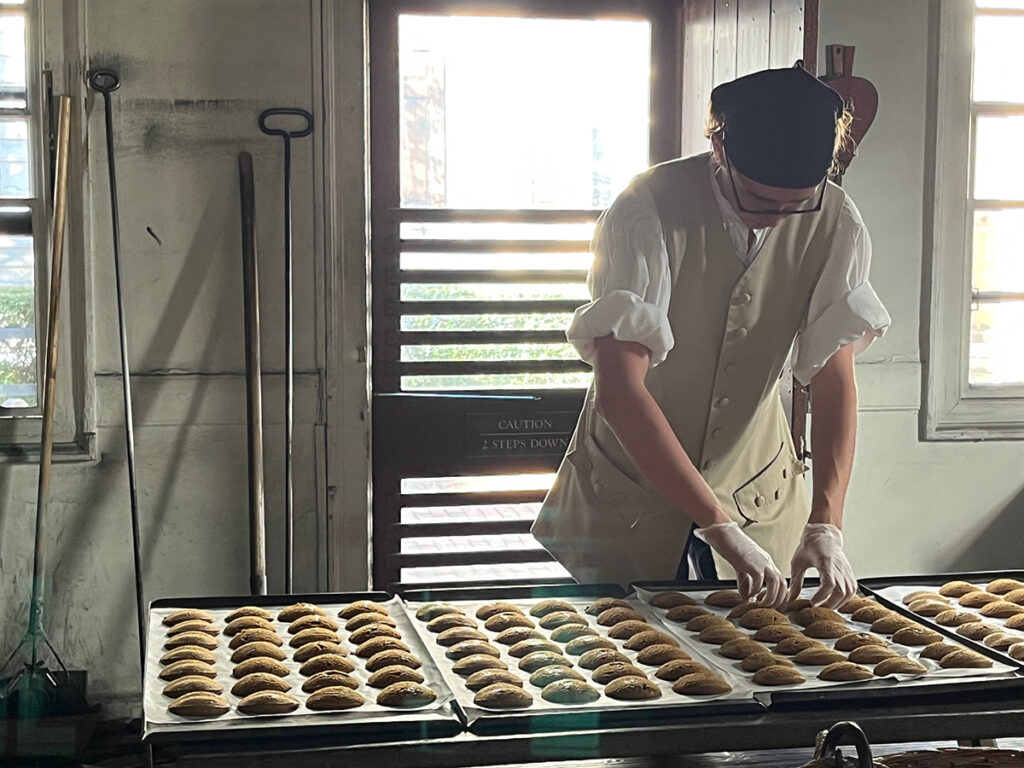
(976, 369)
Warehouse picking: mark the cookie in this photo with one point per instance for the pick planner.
(740, 648)
(393, 656)
(602, 604)
(467, 665)
(247, 622)
(855, 603)
(594, 659)
(249, 611)
(396, 673)
(818, 657)
(456, 635)
(1003, 586)
(1016, 596)
(683, 613)
(977, 599)
(312, 620)
(485, 612)
(469, 647)
(844, 671)
(870, 613)
(956, 589)
(890, 624)
(856, 639)
(741, 610)
(567, 632)
(796, 604)
(268, 703)
(805, 617)
(899, 665)
(334, 698)
(773, 633)
(871, 654)
(502, 696)
(1000, 640)
(254, 650)
(677, 668)
(558, 618)
(187, 667)
(200, 639)
(406, 695)
(534, 661)
(502, 621)
(724, 598)
(325, 662)
(360, 607)
(375, 645)
(700, 623)
(976, 630)
(547, 675)
(937, 650)
(791, 646)
(270, 667)
(641, 640)
(329, 679)
(778, 674)
(293, 612)
(660, 653)
(433, 610)
(916, 635)
(928, 607)
(191, 684)
(199, 704)
(485, 677)
(371, 631)
(194, 625)
(569, 691)
(608, 672)
(526, 647)
(544, 607)
(1015, 622)
(701, 684)
(826, 630)
(193, 652)
(364, 619)
(187, 614)
(255, 635)
(312, 635)
(581, 645)
(756, 618)
(923, 594)
(613, 616)
(631, 688)
(259, 681)
(514, 635)
(310, 650)
(717, 634)
(1016, 651)
(1001, 609)
(672, 598)
(626, 629)
(449, 620)
(756, 661)
(964, 659)
(954, 618)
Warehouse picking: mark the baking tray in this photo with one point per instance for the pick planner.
(891, 589)
(367, 723)
(818, 691)
(546, 716)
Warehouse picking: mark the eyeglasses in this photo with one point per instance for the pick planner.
(739, 205)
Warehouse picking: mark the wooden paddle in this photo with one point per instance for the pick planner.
(859, 94)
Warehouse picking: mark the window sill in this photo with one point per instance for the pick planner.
(988, 418)
(80, 451)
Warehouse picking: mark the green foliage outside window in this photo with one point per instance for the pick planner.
(18, 350)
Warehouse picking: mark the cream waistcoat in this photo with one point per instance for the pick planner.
(733, 328)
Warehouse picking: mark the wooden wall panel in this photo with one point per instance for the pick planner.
(698, 72)
(724, 68)
(752, 35)
(786, 43)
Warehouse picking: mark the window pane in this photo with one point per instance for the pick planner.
(478, 573)
(505, 381)
(478, 483)
(530, 261)
(484, 126)
(12, 61)
(995, 55)
(14, 159)
(419, 353)
(1000, 4)
(17, 323)
(995, 343)
(493, 291)
(553, 321)
(999, 163)
(495, 230)
(998, 263)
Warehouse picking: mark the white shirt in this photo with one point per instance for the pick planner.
(630, 283)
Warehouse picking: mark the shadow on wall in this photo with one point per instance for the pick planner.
(996, 547)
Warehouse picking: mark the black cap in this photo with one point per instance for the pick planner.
(780, 126)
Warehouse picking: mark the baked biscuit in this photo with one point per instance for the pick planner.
(976, 630)
(558, 618)
(1001, 640)
(632, 688)
(312, 635)
(254, 650)
(567, 632)
(899, 665)
(193, 652)
(581, 645)
(683, 613)
(502, 696)
(526, 647)
(1001, 609)
(396, 673)
(923, 594)
(371, 631)
(534, 661)
(871, 654)
(255, 635)
(544, 607)
(964, 658)
(259, 681)
(700, 623)
(954, 618)
(569, 691)
(856, 639)
(641, 640)
(364, 619)
(308, 651)
(916, 635)
(199, 704)
(194, 625)
(805, 617)
(334, 698)
(870, 613)
(756, 618)
(672, 598)
(756, 661)
(855, 603)
(270, 703)
(826, 630)
(741, 609)
(626, 629)
(406, 695)
(1016, 651)
(312, 620)
(597, 657)
(602, 604)
(936, 651)
(186, 668)
(818, 657)
(375, 645)
(608, 672)
(928, 607)
(449, 620)
(778, 674)
(1016, 596)
(455, 635)
(796, 604)
(249, 611)
(1015, 622)
(394, 656)
(977, 599)
(323, 663)
(292, 612)
(724, 598)
(740, 648)
(433, 610)
(701, 684)
(844, 671)
(187, 614)
(717, 634)
(613, 616)
(660, 653)
(467, 665)
(502, 621)
(330, 678)
(485, 612)
(673, 670)
(547, 675)
(957, 589)
(486, 677)
(201, 639)
(469, 647)
(247, 622)
(773, 633)
(890, 624)
(362, 606)
(191, 684)
(1002, 586)
(791, 646)
(514, 635)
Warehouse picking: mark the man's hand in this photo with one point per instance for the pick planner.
(821, 547)
(754, 567)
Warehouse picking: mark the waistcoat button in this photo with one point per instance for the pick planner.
(707, 464)
(716, 432)
(722, 402)
(759, 501)
(741, 298)
(739, 333)
(731, 367)
(598, 488)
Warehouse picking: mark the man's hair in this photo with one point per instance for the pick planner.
(843, 141)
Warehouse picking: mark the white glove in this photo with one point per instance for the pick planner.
(754, 567)
(821, 547)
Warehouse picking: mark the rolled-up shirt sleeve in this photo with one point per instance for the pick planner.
(844, 308)
(629, 281)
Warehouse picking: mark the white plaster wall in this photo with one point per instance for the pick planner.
(914, 506)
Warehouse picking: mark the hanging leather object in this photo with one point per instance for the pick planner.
(860, 96)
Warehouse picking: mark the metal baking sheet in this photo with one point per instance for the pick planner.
(605, 712)
(891, 592)
(813, 688)
(369, 720)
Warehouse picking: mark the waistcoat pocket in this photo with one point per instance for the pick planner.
(763, 497)
(606, 486)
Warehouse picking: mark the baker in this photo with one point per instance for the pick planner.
(709, 272)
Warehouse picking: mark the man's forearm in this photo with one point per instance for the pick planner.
(833, 436)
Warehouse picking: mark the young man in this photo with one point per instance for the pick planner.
(707, 272)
